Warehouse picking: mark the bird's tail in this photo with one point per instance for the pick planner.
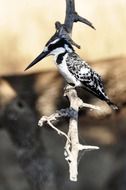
(112, 105)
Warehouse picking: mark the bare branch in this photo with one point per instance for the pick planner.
(79, 101)
(78, 18)
(72, 16)
(72, 146)
(62, 32)
(65, 30)
(69, 19)
(72, 150)
(48, 121)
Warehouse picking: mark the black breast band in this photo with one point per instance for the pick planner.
(60, 58)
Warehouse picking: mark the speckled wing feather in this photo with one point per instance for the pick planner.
(83, 72)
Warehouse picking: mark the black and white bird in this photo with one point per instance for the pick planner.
(74, 69)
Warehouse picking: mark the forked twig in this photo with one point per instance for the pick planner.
(72, 147)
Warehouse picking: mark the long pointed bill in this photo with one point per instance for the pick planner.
(37, 59)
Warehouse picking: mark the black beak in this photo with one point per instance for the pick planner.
(37, 59)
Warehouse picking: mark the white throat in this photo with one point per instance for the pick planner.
(57, 52)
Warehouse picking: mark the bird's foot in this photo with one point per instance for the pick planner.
(68, 87)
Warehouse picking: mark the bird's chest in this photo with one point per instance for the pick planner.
(65, 72)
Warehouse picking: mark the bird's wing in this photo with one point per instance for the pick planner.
(84, 73)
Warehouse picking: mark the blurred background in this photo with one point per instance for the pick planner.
(30, 157)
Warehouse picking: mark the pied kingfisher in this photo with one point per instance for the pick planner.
(74, 69)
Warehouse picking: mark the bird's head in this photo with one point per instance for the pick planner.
(55, 46)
